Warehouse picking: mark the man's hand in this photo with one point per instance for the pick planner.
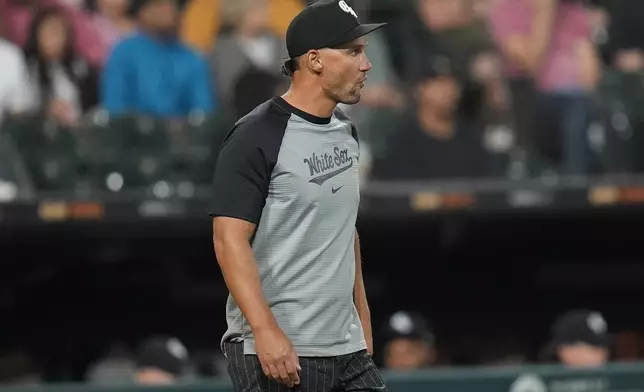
(276, 354)
(360, 298)
(369, 345)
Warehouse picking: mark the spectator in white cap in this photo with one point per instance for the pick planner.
(580, 338)
(160, 361)
(410, 342)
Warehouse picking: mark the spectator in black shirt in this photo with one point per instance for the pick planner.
(62, 84)
(434, 143)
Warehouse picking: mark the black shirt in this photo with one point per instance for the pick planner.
(414, 154)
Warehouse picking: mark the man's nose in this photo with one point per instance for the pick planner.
(366, 64)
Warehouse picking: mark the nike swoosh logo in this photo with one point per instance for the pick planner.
(335, 190)
(327, 176)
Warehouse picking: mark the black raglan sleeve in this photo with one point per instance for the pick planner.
(244, 168)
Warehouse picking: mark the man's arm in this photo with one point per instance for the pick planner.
(241, 181)
(360, 298)
(231, 241)
(231, 238)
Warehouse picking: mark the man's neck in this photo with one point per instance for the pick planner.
(310, 99)
(436, 125)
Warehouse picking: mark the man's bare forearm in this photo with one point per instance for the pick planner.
(360, 296)
(240, 272)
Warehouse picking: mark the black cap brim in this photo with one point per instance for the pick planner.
(356, 33)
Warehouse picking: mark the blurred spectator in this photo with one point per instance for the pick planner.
(553, 65)
(116, 368)
(18, 370)
(410, 342)
(433, 143)
(202, 22)
(87, 41)
(255, 87)
(151, 72)
(14, 91)
(622, 23)
(246, 46)
(579, 338)
(62, 84)
(160, 361)
(111, 19)
(453, 26)
(456, 28)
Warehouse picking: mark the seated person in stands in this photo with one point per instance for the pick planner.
(161, 361)
(246, 48)
(17, 16)
(580, 338)
(152, 72)
(409, 343)
(62, 84)
(433, 142)
(112, 20)
(14, 92)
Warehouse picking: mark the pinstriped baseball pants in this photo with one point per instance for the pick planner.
(345, 373)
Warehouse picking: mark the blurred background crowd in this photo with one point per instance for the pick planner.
(521, 89)
(578, 339)
(102, 97)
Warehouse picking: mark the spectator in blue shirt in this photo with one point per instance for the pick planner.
(152, 72)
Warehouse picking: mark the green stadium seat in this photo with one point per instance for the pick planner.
(619, 115)
(7, 155)
(33, 134)
(137, 152)
(53, 155)
(127, 134)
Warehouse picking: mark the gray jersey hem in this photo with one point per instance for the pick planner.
(313, 351)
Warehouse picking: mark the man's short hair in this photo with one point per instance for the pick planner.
(289, 67)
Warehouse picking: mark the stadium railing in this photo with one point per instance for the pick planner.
(612, 378)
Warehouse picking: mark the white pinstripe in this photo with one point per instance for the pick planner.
(324, 378)
(308, 382)
(355, 378)
(257, 379)
(358, 374)
(317, 374)
(369, 366)
(382, 382)
(333, 375)
(248, 381)
(235, 348)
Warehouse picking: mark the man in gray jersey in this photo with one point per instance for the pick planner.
(285, 203)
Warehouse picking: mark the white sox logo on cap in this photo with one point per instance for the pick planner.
(346, 8)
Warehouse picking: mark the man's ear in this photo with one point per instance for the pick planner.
(314, 60)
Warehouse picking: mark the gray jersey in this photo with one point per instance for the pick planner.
(295, 175)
